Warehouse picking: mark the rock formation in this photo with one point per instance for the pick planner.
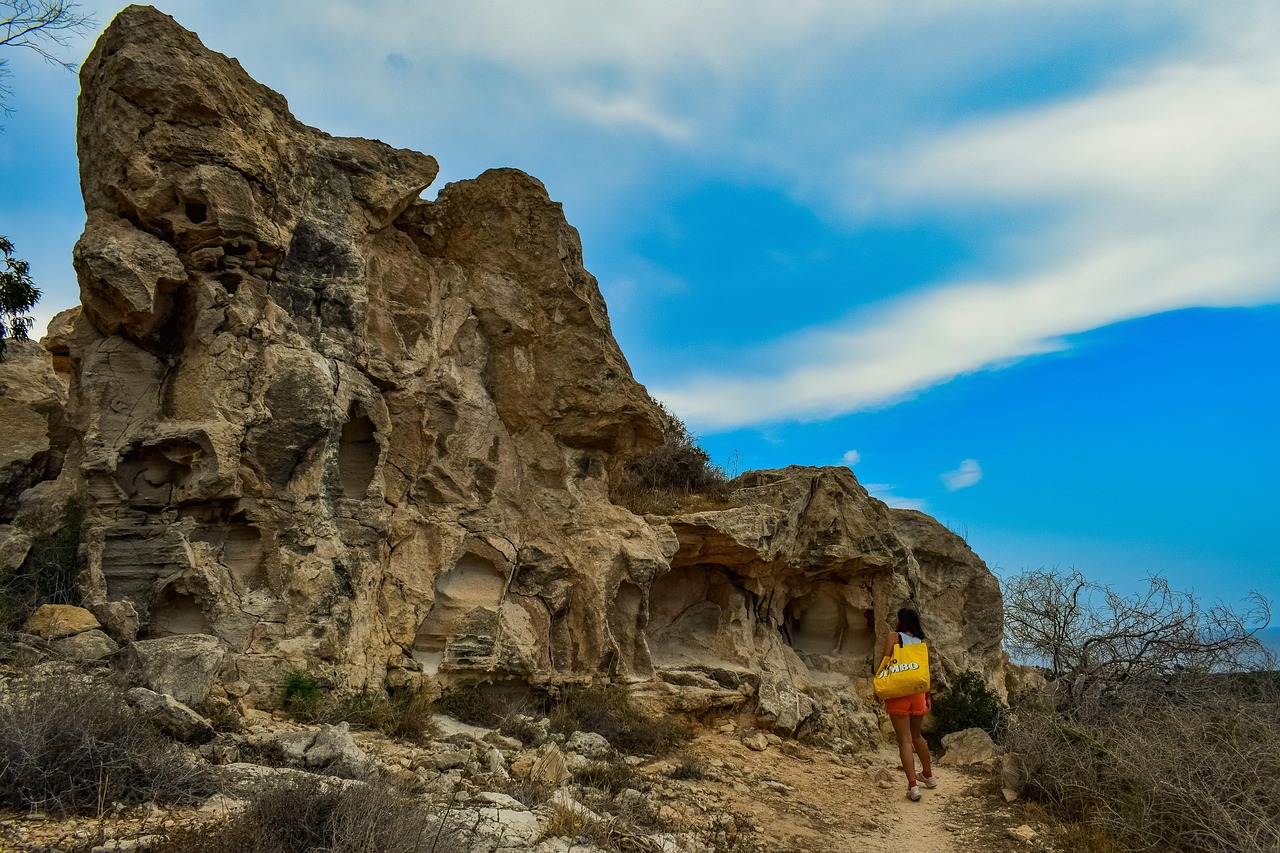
(343, 429)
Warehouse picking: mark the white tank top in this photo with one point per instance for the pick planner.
(907, 639)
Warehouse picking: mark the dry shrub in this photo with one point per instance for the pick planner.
(691, 768)
(608, 776)
(616, 835)
(611, 713)
(48, 575)
(70, 746)
(313, 814)
(1190, 770)
(406, 716)
(676, 476)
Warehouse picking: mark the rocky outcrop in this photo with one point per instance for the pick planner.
(323, 424)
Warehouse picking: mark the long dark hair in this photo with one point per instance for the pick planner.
(909, 621)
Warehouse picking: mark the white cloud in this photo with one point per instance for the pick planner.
(884, 492)
(851, 458)
(1160, 192)
(968, 474)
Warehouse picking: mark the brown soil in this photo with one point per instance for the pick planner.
(801, 799)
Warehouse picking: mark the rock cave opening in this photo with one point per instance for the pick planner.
(467, 597)
(824, 623)
(699, 613)
(237, 544)
(176, 612)
(358, 453)
(148, 475)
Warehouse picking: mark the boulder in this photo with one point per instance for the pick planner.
(969, 747)
(550, 768)
(86, 646)
(183, 666)
(54, 621)
(589, 745)
(32, 421)
(171, 716)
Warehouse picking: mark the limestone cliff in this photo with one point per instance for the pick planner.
(341, 428)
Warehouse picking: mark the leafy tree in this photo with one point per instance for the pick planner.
(17, 296)
(38, 25)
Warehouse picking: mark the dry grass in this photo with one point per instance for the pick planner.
(675, 477)
(70, 746)
(1191, 771)
(318, 815)
(611, 713)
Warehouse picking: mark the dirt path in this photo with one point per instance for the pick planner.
(801, 799)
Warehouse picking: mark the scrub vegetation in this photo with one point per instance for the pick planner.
(676, 476)
(1159, 728)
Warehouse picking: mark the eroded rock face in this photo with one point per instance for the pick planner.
(322, 424)
(337, 427)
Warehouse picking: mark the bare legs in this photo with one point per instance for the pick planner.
(910, 744)
(922, 748)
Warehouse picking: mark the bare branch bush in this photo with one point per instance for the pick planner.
(70, 745)
(1092, 639)
(1160, 725)
(40, 26)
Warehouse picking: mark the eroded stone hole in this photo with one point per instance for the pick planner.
(148, 475)
(823, 623)
(174, 612)
(196, 212)
(463, 618)
(699, 612)
(357, 456)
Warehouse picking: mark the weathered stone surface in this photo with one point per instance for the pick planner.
(118, 618)
(550, 768)
(171, 716)
(971, 746)
(84, 646)
(53, 621)
(183, 666)
(32, 421)
(342, 429)
(589, 745)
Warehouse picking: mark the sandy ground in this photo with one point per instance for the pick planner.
(801, 799)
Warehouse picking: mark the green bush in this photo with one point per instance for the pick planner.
(73, 747)
(969, 704)
(304, 694)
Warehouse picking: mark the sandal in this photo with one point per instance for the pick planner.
(913, 793)
(928, 781)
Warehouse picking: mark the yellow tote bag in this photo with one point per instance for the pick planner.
(905, 673)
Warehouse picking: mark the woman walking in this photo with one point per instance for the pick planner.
(907, 712)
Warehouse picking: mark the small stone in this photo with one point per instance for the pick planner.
(757, 742)
(1022, 833)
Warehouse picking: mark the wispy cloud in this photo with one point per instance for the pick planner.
(884, 492)
(968, 474)
(1159, 190)
(851, 458)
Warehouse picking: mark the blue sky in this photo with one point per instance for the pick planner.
(1014, 262)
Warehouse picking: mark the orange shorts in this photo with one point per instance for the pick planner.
(907, 706)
